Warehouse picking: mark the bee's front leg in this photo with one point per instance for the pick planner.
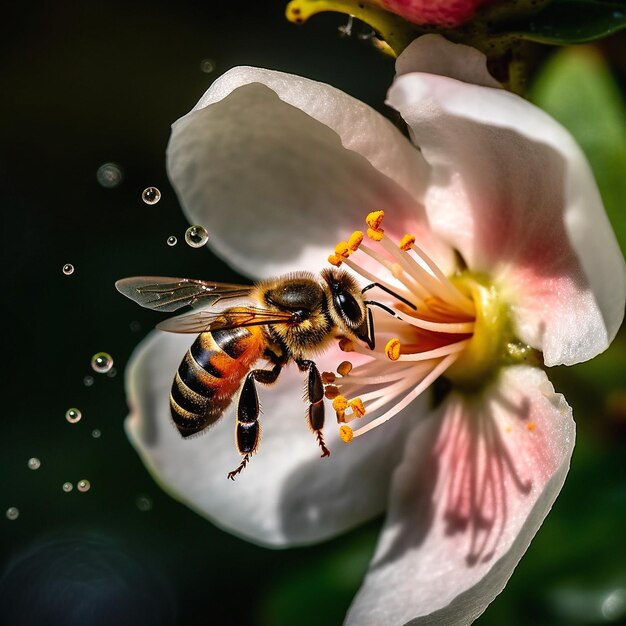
(315, 397)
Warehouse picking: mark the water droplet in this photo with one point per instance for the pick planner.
(95, 433)
(34, 463)
(68, 269)
(112, 373)
(88, 381)
(101, 362)
(171, 240)
(207, 65)
(12, 513)
(67, 487)
(151, 195)
(83, 485)
(73, 415)
(196, 236)
(109, 175)
(143, 502)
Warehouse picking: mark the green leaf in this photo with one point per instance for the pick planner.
(577, 88)
(572, 21)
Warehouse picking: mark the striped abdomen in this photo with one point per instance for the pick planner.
(210, 373)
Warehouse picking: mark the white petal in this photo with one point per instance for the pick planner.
(511, 190)
(279, 169)
(448, 547)
(287, 494)
(432, 54)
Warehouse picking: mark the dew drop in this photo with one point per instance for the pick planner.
(88, 381)
(68, 269)
(67, 487)
(143, 502)
(112, 373)
(109, 175)
(151, 195)
(101, 362)
(12, 513)
(172, 241)
(207, 65)
(95, 433)
(83, 485)
(34, 463)
(196, 236)
(73, 415)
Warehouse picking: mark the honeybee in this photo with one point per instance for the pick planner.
(293, 318)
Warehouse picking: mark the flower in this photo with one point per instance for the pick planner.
(508, 240)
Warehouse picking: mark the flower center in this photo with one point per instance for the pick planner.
(435, 325)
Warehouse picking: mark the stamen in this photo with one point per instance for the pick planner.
(331, 392)
(406, 243)
(358, 409)
(346, 434)
(343, 250)
(374, 220)
(335, 260)
(423, 385)
(328, 377)
(459, 346)
(340, 404)
(392, 349)
(355, 239)
(346, 345)
(344, 368)
(460, 328)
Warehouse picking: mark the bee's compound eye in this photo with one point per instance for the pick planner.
(348, 307)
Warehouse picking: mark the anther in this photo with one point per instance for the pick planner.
(392, 349)
(346, 434)
(328, 377)
(343, 250)
(406, 243)
(346, 345)
(340, 404)
(374, 220)
(344, 368)
(355, 239)
(357, 407)
(331, 392)
(335, 260)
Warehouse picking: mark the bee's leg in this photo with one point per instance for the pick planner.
(248, 429)
(315, 396)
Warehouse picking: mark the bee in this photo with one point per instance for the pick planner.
(293, 318)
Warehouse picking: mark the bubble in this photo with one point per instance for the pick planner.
(172, 241)
(143, 503)
(151, 195)
(68, 269)
(109, 175)
(73, 415)
(207, 65)
(112, 373)
(196, 236)
(67, 487)
(88, 381)
(34, 463)
(12, 513)
(101, 362)
(83, 485)
(95, 433)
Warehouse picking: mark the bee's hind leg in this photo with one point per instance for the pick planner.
(248, 428)
(315, 397)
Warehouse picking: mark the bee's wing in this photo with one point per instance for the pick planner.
(211, 320)
(169, 294)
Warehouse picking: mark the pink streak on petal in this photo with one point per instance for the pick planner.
(473, 488)
(439, 12)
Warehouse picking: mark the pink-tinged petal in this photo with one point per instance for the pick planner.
(475, 484)
(511, 190)
(287, 495)
(295, 165)
(446, 13)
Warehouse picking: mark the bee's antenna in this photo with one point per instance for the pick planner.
(391, 293)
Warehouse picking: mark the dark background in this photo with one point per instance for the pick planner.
(91, 82)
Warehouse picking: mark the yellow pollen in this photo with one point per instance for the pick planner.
(342, 249)
(392, 349)
(346, 434)
(345, 345)
(375, 219)
(357, 407)
(375, 235)
(344, 368)
(406, 243)
(335, 260)
(328, 377)
(355, 239)
(531, 426)
(331, 392)
(340, 404)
